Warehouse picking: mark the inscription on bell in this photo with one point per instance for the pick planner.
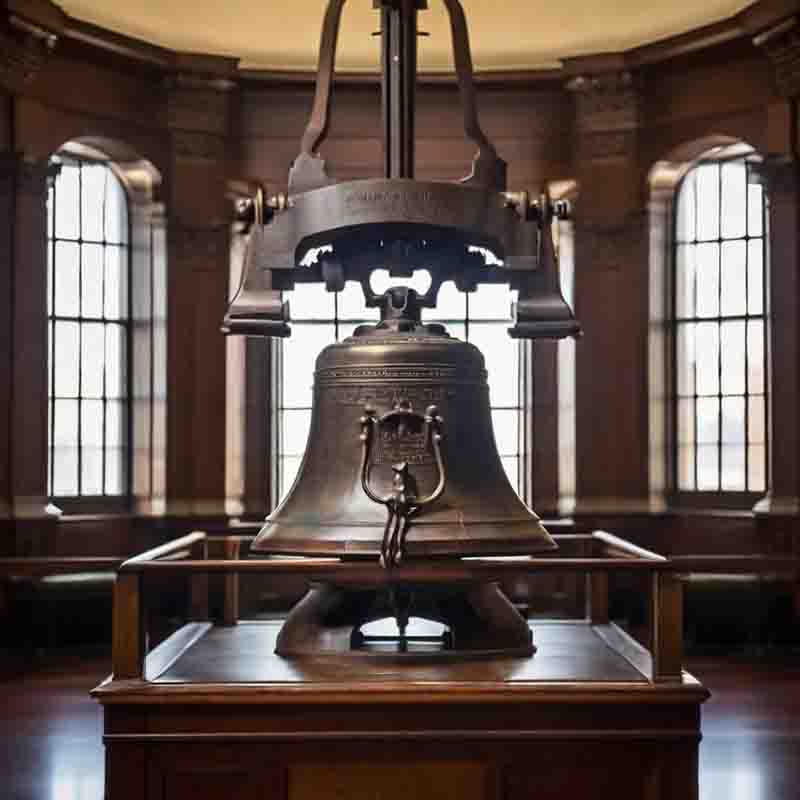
(386, 397)
(402, 445)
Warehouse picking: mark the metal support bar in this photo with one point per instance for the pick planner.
(399, 61)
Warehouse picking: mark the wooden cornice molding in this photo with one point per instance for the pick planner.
(751, 21)
(29, 32)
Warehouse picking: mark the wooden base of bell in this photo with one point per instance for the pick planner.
(479, 621)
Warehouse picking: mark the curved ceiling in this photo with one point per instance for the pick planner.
(506, 34)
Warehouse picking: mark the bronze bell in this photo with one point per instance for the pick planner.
(393, 373)
(401, 472)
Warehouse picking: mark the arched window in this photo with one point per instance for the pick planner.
(720, 391)
(320, 318)
(89, 336)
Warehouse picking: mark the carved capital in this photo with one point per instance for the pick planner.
(28, 34)
(781, 44)
(607, 113)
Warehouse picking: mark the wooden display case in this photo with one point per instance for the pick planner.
(212, 712)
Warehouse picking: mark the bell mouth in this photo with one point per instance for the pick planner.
(518, 538)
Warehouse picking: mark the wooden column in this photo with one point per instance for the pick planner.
(23, 351)
(27, 37)
(611, 291)
(780, 172)
(198, 109)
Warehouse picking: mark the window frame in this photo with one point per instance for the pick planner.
(96, 503)
(720, 499)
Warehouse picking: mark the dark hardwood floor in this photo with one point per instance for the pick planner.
(51, 749)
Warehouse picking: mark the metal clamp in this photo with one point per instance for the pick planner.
(402, 432)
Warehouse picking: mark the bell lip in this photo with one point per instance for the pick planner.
(443, 549)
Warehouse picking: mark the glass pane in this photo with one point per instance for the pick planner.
(381, 280)
(707, 355)
(289, 468)
(707, 468)
(733, 471)
(65, 423)
(757, 420)
(502, 361)
(92, 470)
(310, 301)
(511, 466)
(733, 420)
(92, 357)
(685, 358)
(93, 177)
(756, 468)
(65, 471)
(50, 248)
(686, 420)
(755, 356)
(115, 423)
(294, 432)
(506, 431)
(66, 279)
(451, 304)
(116, 302)
(300, 352)
(50, 211)
(50, 359)
(734, 199)
(115, 470)
(66, 359)
(458, 330)
(116, 216)
(734, 281)
(351, 303)
(92, 280)
(115, 361)
(755, 210)
(707, 280)
(685, 279)
(707, 420)
(67, 202)
(686, 209)
(686, 467)
(92, 423)
(491, 301)
(733, 357)
(755, 276)
(708, 201)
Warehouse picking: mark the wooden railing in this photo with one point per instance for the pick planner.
(597, 555)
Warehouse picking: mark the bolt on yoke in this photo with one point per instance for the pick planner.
(329, 231)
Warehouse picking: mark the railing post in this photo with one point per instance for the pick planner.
(230, 603)
(198, 585)
(666, 625)
(128, 649)
(597, 598)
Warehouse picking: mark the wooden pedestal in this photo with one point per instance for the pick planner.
(218, 716)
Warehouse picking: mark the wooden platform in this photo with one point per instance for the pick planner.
(221, 716)
(568, 652)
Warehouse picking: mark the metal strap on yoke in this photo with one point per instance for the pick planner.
(488, 169)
